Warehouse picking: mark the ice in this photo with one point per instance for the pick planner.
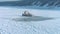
(9, 26)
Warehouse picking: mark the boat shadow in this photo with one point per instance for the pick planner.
(35, 18)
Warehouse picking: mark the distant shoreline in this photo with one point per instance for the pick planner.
(32, 7)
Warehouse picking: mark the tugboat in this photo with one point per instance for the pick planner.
(27, 14)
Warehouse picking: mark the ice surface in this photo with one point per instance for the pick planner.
(9, 26)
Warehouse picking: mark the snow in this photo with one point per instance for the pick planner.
(9, 26)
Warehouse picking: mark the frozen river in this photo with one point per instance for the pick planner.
(42, 25)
